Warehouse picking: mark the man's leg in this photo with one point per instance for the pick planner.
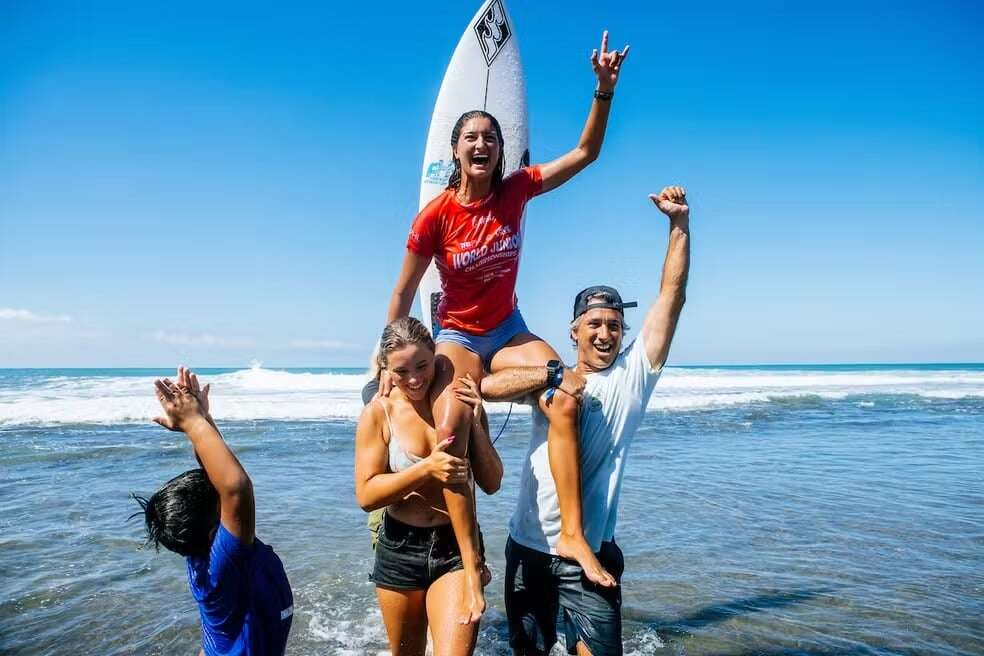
(592, 613)
(526, 350)
(454, 417)
(531, 600)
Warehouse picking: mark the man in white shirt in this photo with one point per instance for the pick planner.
(617, 387)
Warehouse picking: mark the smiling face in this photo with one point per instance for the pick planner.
(411, 369)
(478, 149)
(598, 336)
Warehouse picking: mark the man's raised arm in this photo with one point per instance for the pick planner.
(661, 320)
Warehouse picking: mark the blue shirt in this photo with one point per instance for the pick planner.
(243, 597)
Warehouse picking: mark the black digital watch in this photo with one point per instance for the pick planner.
(555, 373)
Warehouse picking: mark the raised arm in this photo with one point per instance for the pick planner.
(413, 270)
(375, 486)
(607, 66)
(183, 412)
(661, 320)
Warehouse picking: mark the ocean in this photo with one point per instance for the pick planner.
(812, 510)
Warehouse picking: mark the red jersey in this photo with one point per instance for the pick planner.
(476, 248)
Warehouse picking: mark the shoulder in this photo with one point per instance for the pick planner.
(527, 181)
(227, 545)
(372, 419)
(523, 176)
(224, 564)
(436, 207)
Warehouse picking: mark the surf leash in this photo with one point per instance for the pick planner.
(504, 424)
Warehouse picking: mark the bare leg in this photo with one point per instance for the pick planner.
(405, 617)
(563, 452)
(444, 599)
(453, 417)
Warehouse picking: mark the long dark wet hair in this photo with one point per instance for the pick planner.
(455, 180)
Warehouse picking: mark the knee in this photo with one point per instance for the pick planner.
(461, 437)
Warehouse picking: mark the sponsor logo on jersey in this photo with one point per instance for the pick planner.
(493, 31)
(439, 172)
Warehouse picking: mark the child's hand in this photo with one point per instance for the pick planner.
(187, 379)
(181, 405)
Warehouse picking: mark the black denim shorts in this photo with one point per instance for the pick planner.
(539, 584)
(412, 557)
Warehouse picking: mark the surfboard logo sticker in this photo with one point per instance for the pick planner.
(439, 172)
(493, 31)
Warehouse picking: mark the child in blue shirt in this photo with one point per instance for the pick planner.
(208, 516)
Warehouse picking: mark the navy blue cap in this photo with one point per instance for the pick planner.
(581, 304)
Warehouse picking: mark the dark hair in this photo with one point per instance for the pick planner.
(181, 515)
(400, 333)
(500, 168)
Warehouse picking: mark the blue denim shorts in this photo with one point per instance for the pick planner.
(487, 345)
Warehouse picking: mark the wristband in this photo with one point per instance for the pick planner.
(604, 95)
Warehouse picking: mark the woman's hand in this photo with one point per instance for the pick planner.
(469, 392)
(607, 65)
(445, 468)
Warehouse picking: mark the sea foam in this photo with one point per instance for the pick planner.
(256, 393)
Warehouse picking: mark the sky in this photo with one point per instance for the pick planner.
(227, 182)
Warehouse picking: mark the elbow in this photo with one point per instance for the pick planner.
(367, 504)
(679, 301)
(674, 299)
(589, 155)
(238, 485)
(364, 500)
(236, 490)
(492, 485)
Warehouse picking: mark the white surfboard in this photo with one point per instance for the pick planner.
(485, 72)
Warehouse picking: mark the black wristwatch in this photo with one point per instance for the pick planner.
(555, 373)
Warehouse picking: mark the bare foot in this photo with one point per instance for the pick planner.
(474, 605)
(577, 548)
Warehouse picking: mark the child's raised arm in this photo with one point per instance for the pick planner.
(183, 412)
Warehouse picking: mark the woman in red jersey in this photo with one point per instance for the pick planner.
(473, 232)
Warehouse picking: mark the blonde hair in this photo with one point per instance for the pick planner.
(400, 333)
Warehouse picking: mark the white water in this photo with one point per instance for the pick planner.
(265, 394)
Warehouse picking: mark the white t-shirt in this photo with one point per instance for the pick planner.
(613, 407)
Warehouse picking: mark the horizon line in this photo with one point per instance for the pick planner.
(687, 365)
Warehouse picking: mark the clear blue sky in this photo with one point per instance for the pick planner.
(218, 182)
